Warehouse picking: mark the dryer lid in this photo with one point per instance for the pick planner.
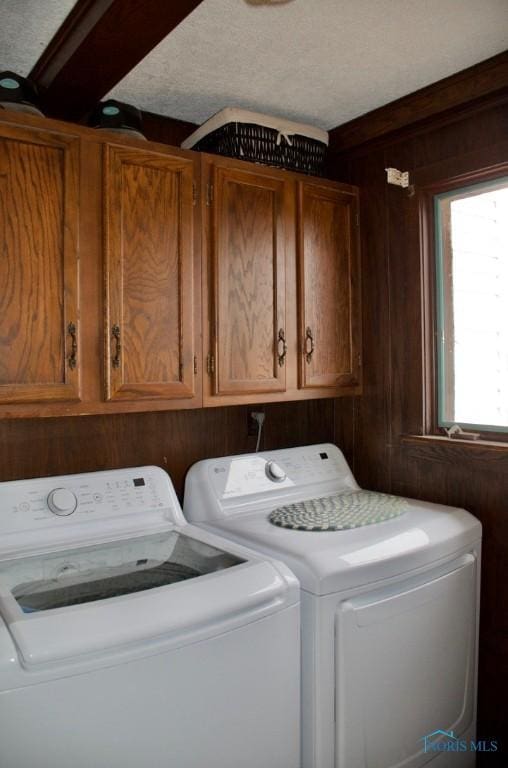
(235, 496)
(334, 561)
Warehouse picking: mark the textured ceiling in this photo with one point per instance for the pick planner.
(26, 27)
(318, 61)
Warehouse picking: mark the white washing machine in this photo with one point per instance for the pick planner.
(389, 608)
(130, 638)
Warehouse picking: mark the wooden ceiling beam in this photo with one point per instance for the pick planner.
(99, 42)
(482, 80)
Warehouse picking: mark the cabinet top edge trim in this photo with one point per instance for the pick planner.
(22, 121)
(68, 130)
(280, 174)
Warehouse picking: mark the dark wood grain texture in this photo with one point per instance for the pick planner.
(140, 237)
(39, 297)
(396, 344)
(172, 440)
(248, 269)
(166, 130)
(99, 42)
(82, 168)
(149, 273)
(371, 423)
(254, 283)
(329, 286)
(482, 80)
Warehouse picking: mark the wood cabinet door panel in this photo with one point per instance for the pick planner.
(328, 274)
(149, 275)
(248, 267)
(39, 321)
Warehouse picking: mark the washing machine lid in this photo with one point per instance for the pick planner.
(102, 571)
(179, 583)
(327, 562)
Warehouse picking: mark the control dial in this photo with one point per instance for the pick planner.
(62, 502)
(274, 473)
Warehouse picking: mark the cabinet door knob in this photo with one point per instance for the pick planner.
(115, 332)
(281, 355)
(308, 344)
(72, 360)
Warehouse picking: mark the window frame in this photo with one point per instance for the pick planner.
(432, 321)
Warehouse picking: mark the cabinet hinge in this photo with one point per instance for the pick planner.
(209, 193)
(210, 364)
(357, 219)
(194, 193)
(359, 360)
(195, 364)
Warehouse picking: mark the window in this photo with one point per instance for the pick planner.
(472, 306)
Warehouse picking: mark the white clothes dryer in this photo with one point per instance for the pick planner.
(130, 638)
(389, 608)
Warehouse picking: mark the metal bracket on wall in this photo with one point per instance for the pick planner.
(396, 177)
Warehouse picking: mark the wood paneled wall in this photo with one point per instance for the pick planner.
(172, 440)
(392, 405)
(165, 129)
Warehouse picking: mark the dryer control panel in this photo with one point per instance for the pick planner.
(269, 472)
(234, 485)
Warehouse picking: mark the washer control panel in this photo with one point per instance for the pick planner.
(62, 501)
(28, 505)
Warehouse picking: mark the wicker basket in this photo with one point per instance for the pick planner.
(262, 139)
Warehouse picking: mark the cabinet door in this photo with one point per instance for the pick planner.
(247, 241)
(149, 275)
(329, 296)
(39, 322)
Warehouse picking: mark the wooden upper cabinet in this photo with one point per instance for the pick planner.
(150, 298)
(271, 256)
(246, 239)
(328, 283)
(39, 311)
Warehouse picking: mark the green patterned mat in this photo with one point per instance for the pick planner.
(343, 511)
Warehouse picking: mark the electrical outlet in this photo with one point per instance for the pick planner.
(252, 424)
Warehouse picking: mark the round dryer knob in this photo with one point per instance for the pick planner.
(62, 502)
(274, 472)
